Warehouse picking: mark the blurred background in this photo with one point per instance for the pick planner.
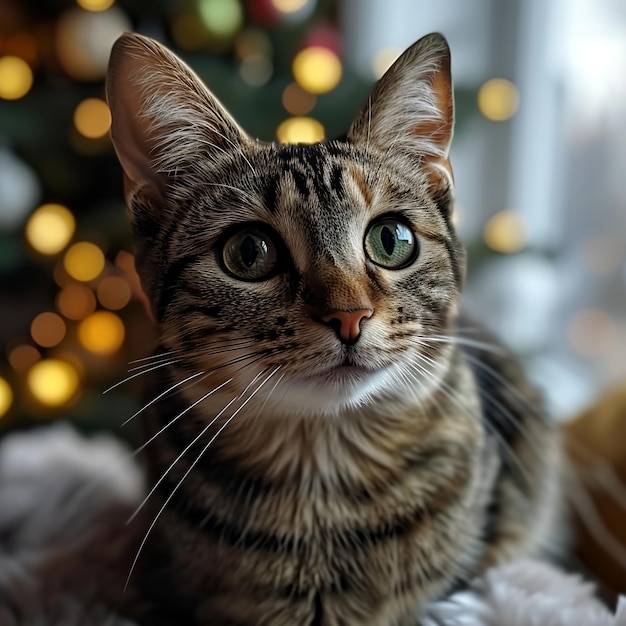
(539, 158)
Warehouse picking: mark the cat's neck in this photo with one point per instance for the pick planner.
(265, 440)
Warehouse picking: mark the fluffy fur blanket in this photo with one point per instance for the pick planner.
(62, 497)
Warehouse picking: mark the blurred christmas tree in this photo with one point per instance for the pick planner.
(71, 312)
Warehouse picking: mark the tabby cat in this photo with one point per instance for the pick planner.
(328, 441)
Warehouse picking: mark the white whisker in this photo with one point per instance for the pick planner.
(462, 341)
(180, 456)
(245, 194)
(451, 395)
(157, 355)
(145, 366)
(191, 467)
(157, 398)
(150, 369)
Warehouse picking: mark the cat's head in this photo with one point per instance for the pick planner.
(333, 266)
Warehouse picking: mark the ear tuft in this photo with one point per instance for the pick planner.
(164, 118)
(410, 110)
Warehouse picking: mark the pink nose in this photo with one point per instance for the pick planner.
(349, 322)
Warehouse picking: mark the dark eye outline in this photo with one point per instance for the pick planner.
(257, 229)
(394, 219)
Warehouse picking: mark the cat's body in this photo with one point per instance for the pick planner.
(332, 448)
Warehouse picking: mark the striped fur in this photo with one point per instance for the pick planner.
(300, 478)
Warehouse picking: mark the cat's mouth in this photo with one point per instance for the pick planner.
(347, 371)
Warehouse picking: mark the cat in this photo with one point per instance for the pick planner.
(326, 441)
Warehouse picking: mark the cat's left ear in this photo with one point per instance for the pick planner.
(410, 111)
(164, 118)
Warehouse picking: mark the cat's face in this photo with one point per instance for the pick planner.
(332, 267)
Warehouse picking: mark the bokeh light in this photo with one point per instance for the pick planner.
(53, 382)
(591, 332)
(6, 397)
(289, 6)
(23, 357)
(498, 99)
(297, 101)
(16, 77)
(92, 118)
(256, 70)
(300, 130)
(84, 261)
(83, 40)
(384, 59)
(95, 5)
(252, 42)
(76, 301)
(114, 293)
(317, 70)
(223, 18)
(102, 332)
(50, 228)
(48, 329)
(505, 232)
(20, 185)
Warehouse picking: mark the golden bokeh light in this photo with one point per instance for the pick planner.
(95, 5)
(6, 397)
(16, 78)
(505, 232)
(297, 101)
(300, 130)
(92, 118)
(53, 382)
(592, 332)
(23, 357)
(84, 261)
(289, 6)
(114, 293)
(498, 99)
(102, 332)
(76, 301)
(316, 69)
(50, 228)
(48, 329)
(384, 59)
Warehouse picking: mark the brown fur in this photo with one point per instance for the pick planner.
(300, 478)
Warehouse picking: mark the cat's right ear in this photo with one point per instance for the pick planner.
(163, 117)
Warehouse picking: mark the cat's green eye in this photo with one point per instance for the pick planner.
(250, 254)
(391, 244)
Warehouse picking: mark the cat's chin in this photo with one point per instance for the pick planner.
(333, 390)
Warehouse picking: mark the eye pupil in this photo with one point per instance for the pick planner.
(390, 243)
(249, 251)
(250, 254)
(388, 240)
